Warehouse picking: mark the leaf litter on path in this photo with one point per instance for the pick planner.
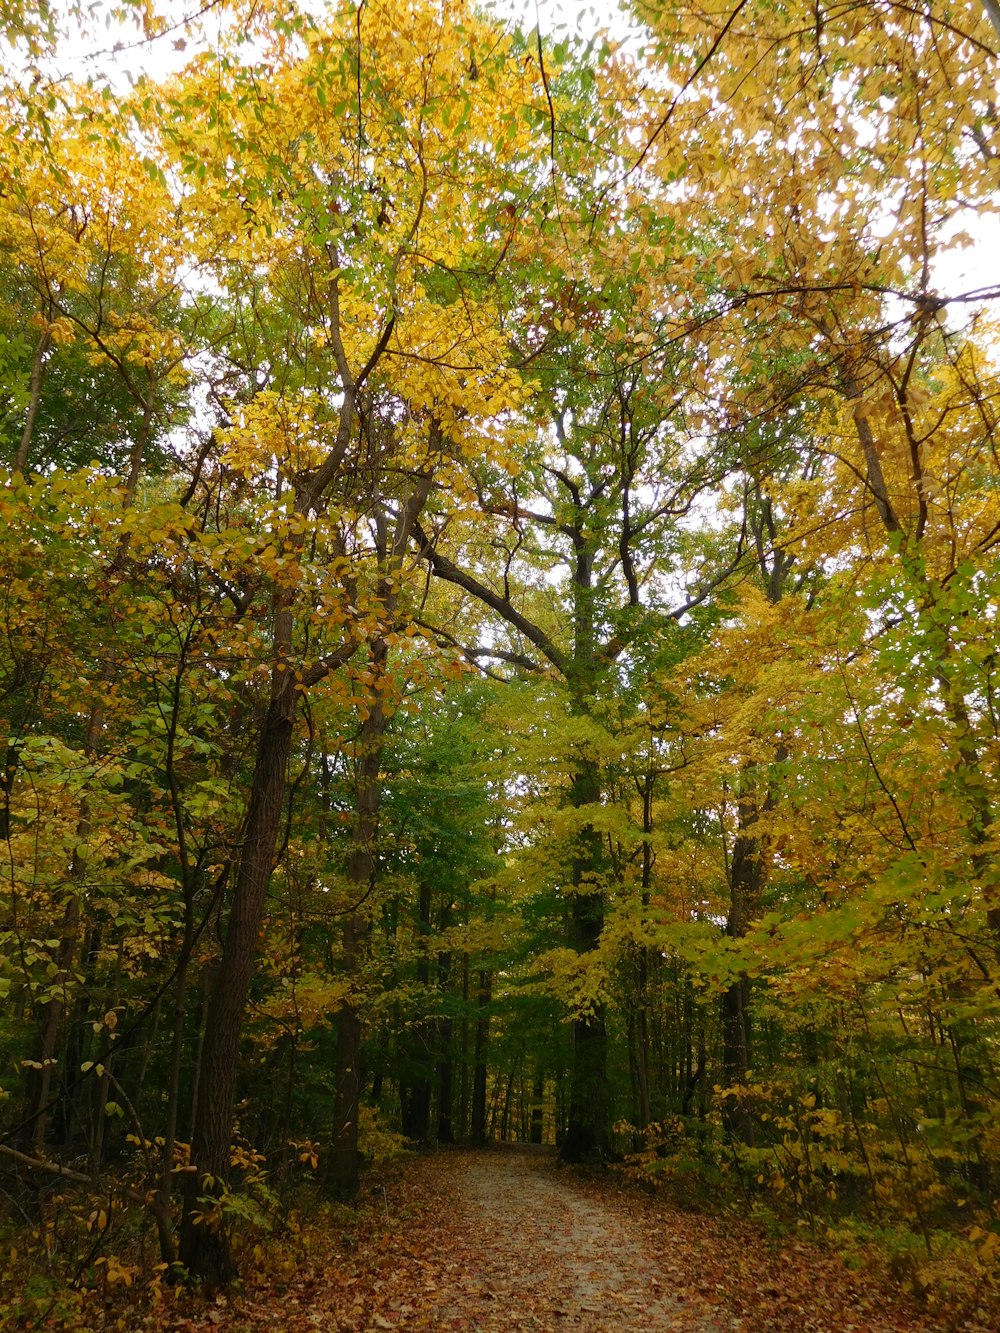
(507, 1241)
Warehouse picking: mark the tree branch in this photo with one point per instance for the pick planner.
(446, 569)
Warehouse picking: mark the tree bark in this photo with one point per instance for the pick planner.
(38, 1080)
(204, 1247)
(480, 1068)
(343, 1164)
(445, 1067)
(588, 1129)
(34, 401)
(747, 875)
(343, 1161)
(537, 1106)
(464, 1081)
(422, 1034)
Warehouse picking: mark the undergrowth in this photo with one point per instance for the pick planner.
(892, 1216)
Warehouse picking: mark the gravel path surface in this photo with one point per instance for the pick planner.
(541, 1254)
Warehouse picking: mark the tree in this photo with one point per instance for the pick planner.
(372, 349)
(368, 235)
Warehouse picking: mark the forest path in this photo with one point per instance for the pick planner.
(540, 1254)
(505, 1240)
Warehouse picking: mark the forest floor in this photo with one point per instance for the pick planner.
(507, 1241)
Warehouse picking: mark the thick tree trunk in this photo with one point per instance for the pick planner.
(588, 1129)
(748, 869)
(204, 1247)
(589, 1119)
(343, 1161)
(735, 1013)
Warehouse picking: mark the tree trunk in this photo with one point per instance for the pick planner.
(464, 1081)
(749, 866)
(445, 1068)
(480, 1071)
(508, 1094)
(537, 1107)
(38, 1074)
(643, 1108)
(343, 1160)
(588, 1130)
(204, 1247)
(423, 1033)
(73, 1095)
(343, 1165)
(746, 881)
(644, 1114)
(34, 400)
(588, 1127)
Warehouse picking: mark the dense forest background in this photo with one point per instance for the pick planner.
(498, 617)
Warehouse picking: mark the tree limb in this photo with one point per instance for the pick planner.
(446, 569)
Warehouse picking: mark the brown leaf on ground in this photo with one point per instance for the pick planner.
(507, 1241)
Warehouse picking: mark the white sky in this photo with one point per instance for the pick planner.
(158, 56)
(961, 270)
(155, 56)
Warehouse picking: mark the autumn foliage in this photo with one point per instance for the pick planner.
(499, 596)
